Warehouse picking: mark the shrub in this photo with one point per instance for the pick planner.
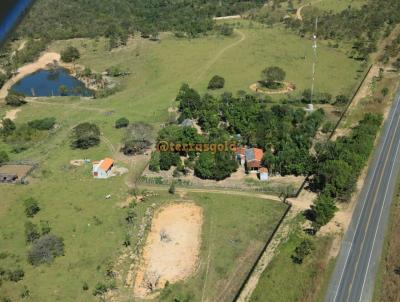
(3, 79)
(3, 157)
(328, 127)
(302, 250)
(45, 249)
(122, 122)
(70, 54)
(31, 232)
(15, 99)
(85, 286)
(45, 227)
(225, 30)
(217, 82)
(31, 207)
(172, 189)
(16, 275)
(85, 135)
(43, 124)
(341, 100)
(100, 289)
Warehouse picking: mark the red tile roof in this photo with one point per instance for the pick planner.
(253, 164)
(263, 170)
(258, 154)
(107, 164)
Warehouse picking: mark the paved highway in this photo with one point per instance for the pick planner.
(353, 279)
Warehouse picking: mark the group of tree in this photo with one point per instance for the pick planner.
(70, 54)
(44, 247)
(137, 139)
(25, 135)
(361, 25)
(284, 132)
(339, 165)
(58, 19)
(85, 135)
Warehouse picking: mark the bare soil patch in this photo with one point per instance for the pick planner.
(20, 170)
(12, 114)
(287, 88)
(172, 247)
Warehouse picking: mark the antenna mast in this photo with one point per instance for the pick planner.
(314, 46)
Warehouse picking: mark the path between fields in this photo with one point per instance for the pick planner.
(205, 190)
(219, 54)
(298, 12)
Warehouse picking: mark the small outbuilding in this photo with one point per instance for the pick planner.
(8, 178)
(103, 168)
(263, 174)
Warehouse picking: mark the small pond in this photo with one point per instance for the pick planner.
(53, 82)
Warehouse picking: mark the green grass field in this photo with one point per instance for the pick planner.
(286, 281)
(234, 226)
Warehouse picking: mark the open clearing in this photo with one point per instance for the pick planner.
(172, 247)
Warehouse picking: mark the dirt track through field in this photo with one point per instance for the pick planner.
(219, 55)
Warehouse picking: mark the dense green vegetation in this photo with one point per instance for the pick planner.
(340, 163)
(363, 26)
(117, 19)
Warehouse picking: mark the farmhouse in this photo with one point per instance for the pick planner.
(102, 169)
(253, 159)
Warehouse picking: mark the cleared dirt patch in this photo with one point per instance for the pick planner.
(172, 247)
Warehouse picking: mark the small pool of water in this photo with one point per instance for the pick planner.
(54, 82)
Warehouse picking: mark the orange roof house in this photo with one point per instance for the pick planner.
(103, 168)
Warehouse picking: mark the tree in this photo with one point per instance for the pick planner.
(154, 164)
(16, 275)
(217, 82)
(3, 157)
(70, 54)
(171, 189)
(15, 99)
(272, 76)
(122, 122)
(225, 30)
(168, 159)
(31, 232)
(324, 209)
(46, 249)
(204, 167)
(85, 135)
(341, 99)
(8, 127)
(385, 91)
(31, 207)
(302, 250)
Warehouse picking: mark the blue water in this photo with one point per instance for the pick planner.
(47, 83)
(10, 13)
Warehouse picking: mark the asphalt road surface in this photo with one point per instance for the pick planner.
(353, 279)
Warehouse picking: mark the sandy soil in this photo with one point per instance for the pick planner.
(42, 62)
(172, 247)
(289, 87)
(12, 114)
